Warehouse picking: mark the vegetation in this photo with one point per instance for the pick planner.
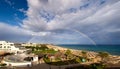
(3, 64)
(103, 55)
(78, 67)
(70, 58)
(92, 66)
(58, 59)
(6, 54)
(38, 47)
(47, 60)
(68, 54)
(48, 51)
(59, 63)
(42, 48)
(97, 66)
(84, 54)
(78, 60)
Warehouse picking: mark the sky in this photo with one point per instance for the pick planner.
(60, 21)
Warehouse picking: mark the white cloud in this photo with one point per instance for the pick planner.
(95, 16)
(17, 34)
(55, 20)
(63, 18)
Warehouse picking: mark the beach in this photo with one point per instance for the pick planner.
(111, 49)
(74, 51)
(113, 59)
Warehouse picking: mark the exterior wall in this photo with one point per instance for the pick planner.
(8, 46)
(5, 45)
(29, 44)
(18, 64)
(35, 58)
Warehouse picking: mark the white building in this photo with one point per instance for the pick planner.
(8, 47)
(29, 44)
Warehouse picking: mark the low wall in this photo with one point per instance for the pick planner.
(17, 63)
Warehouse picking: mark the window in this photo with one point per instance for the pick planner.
(11, 44)
(0, 46)
(4, 46)
(8, 47)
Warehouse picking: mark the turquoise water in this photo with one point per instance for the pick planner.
(112, 49)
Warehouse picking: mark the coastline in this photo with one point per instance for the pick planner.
(114, 59)
(111, 49)
(92, 56)
(74, 51)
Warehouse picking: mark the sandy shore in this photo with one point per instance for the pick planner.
(74, 51)
(114, 59)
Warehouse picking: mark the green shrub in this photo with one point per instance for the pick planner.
(58, 59)
(3, 64)
(46, 59)
(78, 59)
(97, 66)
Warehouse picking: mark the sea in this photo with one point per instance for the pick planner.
(111, 49)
